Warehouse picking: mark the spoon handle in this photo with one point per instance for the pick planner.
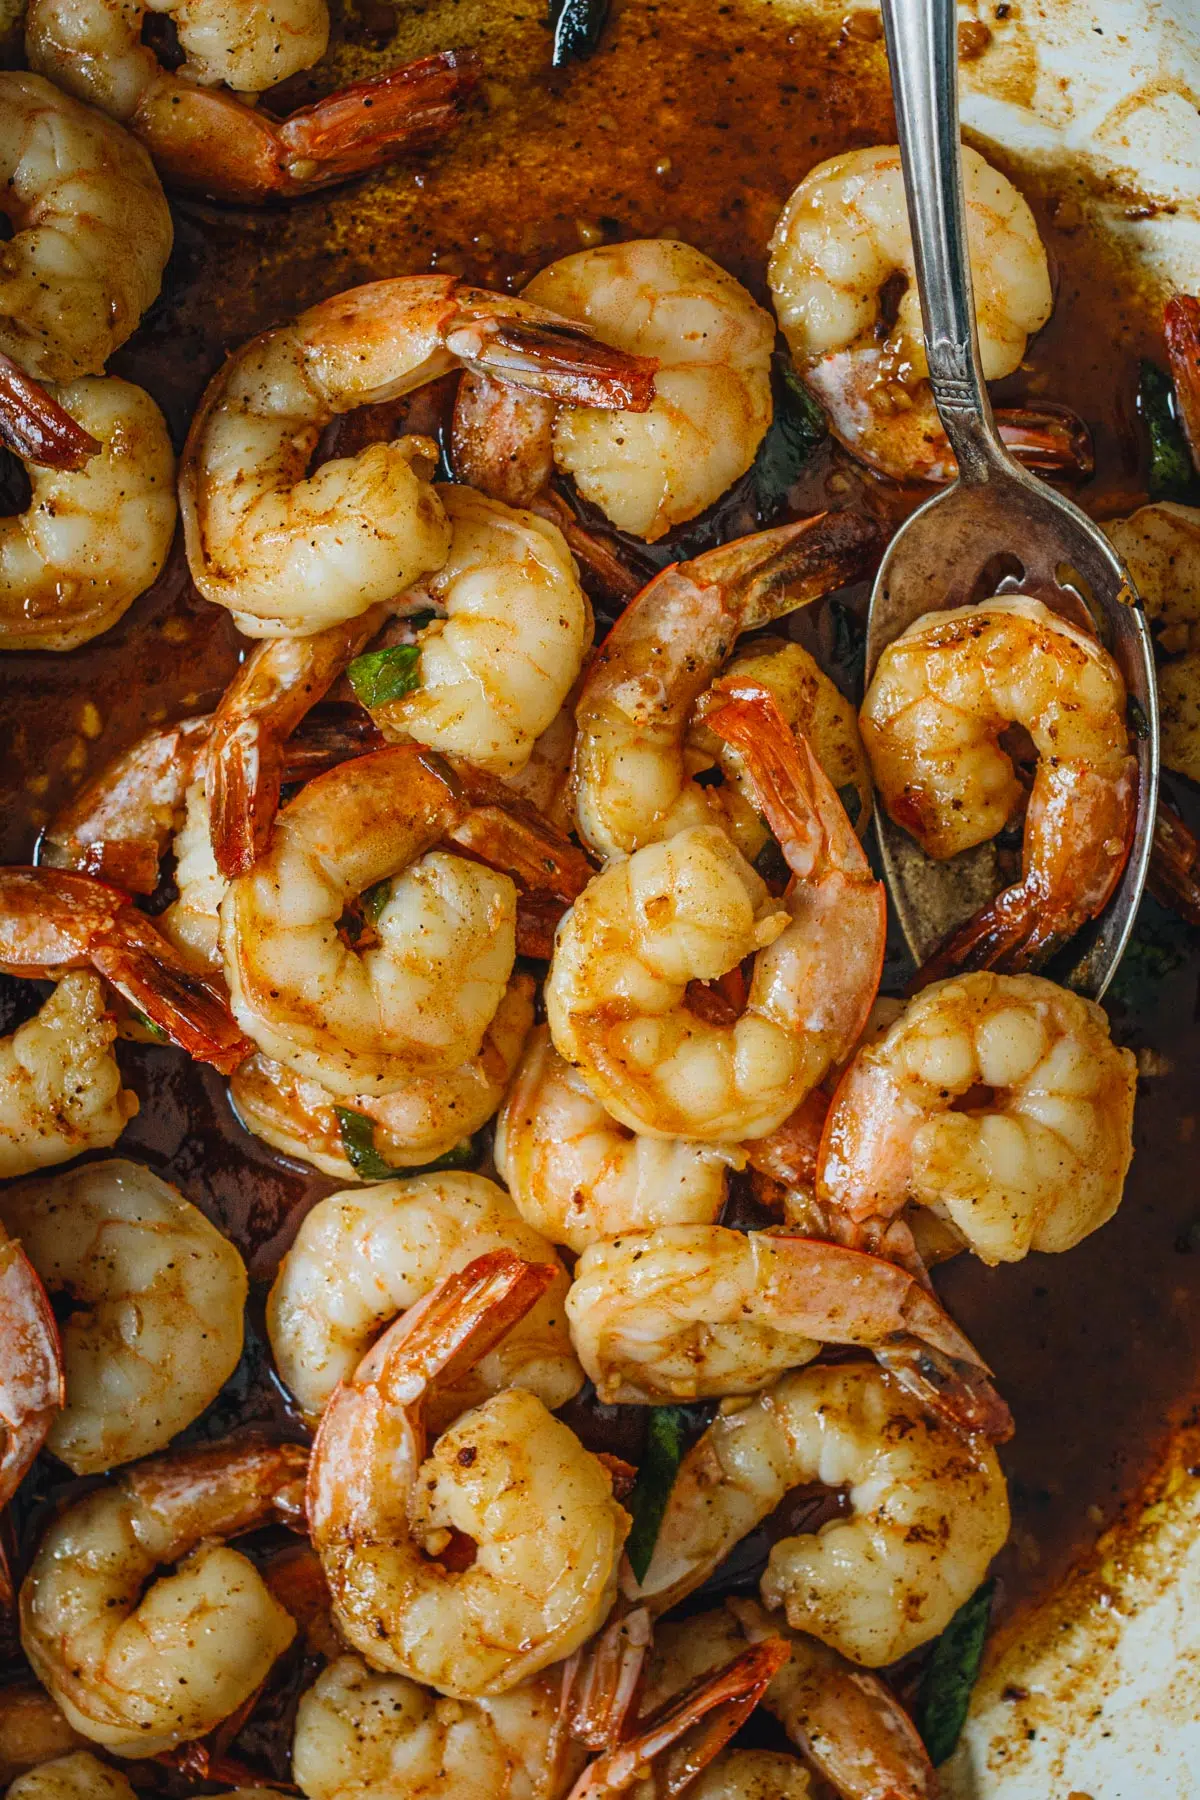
(922, 47)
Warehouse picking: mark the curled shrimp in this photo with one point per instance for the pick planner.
(579, 1175)
(156, 1325)
(364, 1257)
(999, 1101)
(941, 697)
(140, 1661)
(289, 553)
(429, 1116)
(928, 1510)
(199, 121)
(91, 232)
(82, 1776)
(841, 244)
(420, 1000)
(60, 1086)
(389, 1522)
(650, 470)
(31, 1376)
(633, 783)
(93, 537)
(690, 910)
(52, 921)
(699, 1311)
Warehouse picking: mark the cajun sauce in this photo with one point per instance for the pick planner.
(690, 120)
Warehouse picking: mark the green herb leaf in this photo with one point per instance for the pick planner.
(139, 1018)
(424, 616)
(463, 1155)
(1171, 476)
(385, 675)
(796, 429)
(374, 899)
(666, 1435)
(577, 27)
(950, 1673)
(358, 1141)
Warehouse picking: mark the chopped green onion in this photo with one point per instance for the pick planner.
(666, 1435)
(382, 676)
(577, 27)
(945, 1691)
(358, 1141)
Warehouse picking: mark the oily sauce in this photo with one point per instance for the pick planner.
(692, 120)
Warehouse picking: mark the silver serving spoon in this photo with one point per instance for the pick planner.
(996, 516)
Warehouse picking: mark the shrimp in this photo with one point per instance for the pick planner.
(138, 1661)
(425, 1119)
(32, 1730)
(651, 471)
(60, 1086)
(198, 121)
(1181, 329)
(289, 553)
(82, 1776)
(389, 1523)
(31, 1376)
(91, 232)
(92, 538)
(158, 1295)
(840, 247)
(492, 672)
(545, 779)
(362, 1258)
(694, 1312)
(1160, 546)
(52, 921)
(633, 783)
(690, 910)
(941, 696)
(577, 1175)
(928, 1510)
(997, 1100)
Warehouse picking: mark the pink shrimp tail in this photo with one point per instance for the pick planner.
(31, 1381)
(36, 428)
(1181, 328)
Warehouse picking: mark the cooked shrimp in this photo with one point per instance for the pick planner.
(198, 120)
(289, 553)
(60, 1087)
(577, 1175)
(82, 1776)
(140, 1664)
(31, 1377)
(32, 1730)
(494, 669)
(997, 1100)
(653, 470)
(91, 539)
(364, 1257)
(158, 1293)
(841, 244)
(928, 1511)
(91, 232)
(389, 1523)
(360, 1733)
(1160, 546)
(52, 921)
(419, 1002)
(690, 910)
(633, 778)
(941, 696)
(694, 1312)
(545, 779)
(1181, 329)
(425, 1119)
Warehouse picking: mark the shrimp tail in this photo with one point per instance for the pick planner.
(1174, 877)
(31, 1379)
(601, 1681)
(549, 355)
(958, 1391)
(1049, 438)
(504, 831)
(771, 572)
(187, 1007)
(36, 428)
(1181, 327)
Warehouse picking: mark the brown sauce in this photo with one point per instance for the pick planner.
(696, 120)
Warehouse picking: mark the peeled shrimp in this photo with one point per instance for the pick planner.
(83, 1776)
(31, 1376)
(157, 1292)
(364, 1257)
(840, 244)
(941, 696)
(52, 921)
(290, 553)
(423, 1120)
(632, 771)
(691, 909)
(928, 1511)
(697, 1311)
(60, 1087)
(91, 232)
(92, 538)
(140, 1661)
(997, 1100)
(388, 1521)
(419, 1002)
(1160, 546)
(652, 470)
(578, 1175)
